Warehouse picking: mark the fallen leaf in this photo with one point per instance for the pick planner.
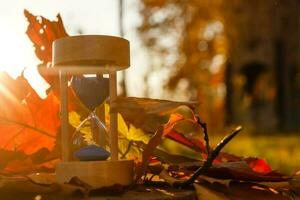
(169, 179)
(27, 124)
(258, 165)
(151, 112)
(148, 151)
(206, 193)
(42, 178)
(211, 180)
(241, 171)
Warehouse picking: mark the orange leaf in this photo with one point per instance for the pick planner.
(42, 32)
(27, 122)
(155, 141)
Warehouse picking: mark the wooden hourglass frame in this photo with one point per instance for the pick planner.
(91, 54)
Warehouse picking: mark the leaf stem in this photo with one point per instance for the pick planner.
(127, 150)
(27, 126)
(206, 139)
(212, 156)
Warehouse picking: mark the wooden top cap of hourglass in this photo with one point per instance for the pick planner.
(91, 51)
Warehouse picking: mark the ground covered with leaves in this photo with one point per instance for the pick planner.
(30, 138)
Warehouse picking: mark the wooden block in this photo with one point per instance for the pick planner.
(91, 50)
(97, 173)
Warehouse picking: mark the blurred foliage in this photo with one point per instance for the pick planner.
(227, 56)
(187, 34)
(187, 39)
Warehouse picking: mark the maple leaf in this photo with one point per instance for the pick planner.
(27, 122)
(42, 32)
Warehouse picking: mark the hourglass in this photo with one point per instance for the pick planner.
(93, 54)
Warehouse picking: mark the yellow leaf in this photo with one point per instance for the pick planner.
(122, 126)
(74, 120)
(137, 134)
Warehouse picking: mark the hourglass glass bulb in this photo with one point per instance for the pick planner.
(87, 149)
(92, 91)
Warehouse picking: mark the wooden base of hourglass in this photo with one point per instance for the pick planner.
(97, 173)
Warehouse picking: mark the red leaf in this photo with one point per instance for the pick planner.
(194, 144)
(172, 134)
(258, 165)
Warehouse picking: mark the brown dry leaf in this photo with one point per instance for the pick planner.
(154, 142)
(19, 166)
(237, 190)
(42, 178)
(172, 159)
(240, 190)
(209, 194)
(211, 180)
(241, 171)
(69, 189)
(169, 179)
(147, 153)
(275, 185)
(22, 184)
(294, 184)
(146, 113)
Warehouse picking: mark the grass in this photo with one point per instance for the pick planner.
(282, 152)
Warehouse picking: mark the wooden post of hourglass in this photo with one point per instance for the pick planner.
(113, 117)
(65, 150)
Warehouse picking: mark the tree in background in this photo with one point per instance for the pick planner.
(239, 58)
(186, 39)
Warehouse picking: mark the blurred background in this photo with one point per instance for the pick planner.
(240, 59)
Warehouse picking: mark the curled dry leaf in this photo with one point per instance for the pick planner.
(169, 179)
(42, 178)
(151, 112)
(206, 193)
(147, 153)
(242, 171)
(238, 191)
(154, 142)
